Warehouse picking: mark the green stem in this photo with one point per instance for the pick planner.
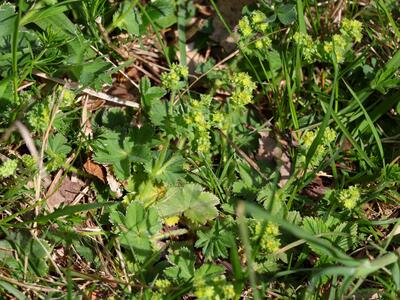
(14, 49)
(181, 31)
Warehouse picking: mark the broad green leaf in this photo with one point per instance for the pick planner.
(53, 17)
(120, 151)
(137, 228)
(182, 262)
(168, 171)
(315, 226)
(158, 112)
(348, 239)
(7, 255)
(149, 94)
(287, 13)
(7, 19)
(215, 242)
(161, 12)
(58, 145)
(191, 201)
(333, 252)
(127, 18)
(5, 92)
(208, 271)
(153, 93)
(35, 250)
(142, 221)
(341, 234)
(94, 73)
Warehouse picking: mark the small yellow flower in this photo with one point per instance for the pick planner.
(241, 98)
(184, 71)
(203, 143)
(196, 103)
(172, 221)
(188, 120)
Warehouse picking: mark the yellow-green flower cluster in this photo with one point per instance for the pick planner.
(162, 284)
(176, 78)
(267, 235)
(243, 89)
(203, 143)
(245, 27)
(201, 126)
(353, 28)
(263, 43)
(254, 26)
(221, 121)
(39, 116)
(349, 197)
(29, 163)
(8, 168)
(258, 21)
(215, 289)
(330, 136)
(307, 139)
(218, 117)
(198, 119)
(309, 47)
(157, 296)
(341, 43)
(205, 292)
(68, 99)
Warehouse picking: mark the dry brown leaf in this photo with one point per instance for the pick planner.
(271, 150)
(113, 183)
(315, 190)
(95, 169)
(122, 91)
(65, 193)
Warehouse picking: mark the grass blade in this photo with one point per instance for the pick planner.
(351, 140)
(69, 210)
(370, 123)
(181, 31)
